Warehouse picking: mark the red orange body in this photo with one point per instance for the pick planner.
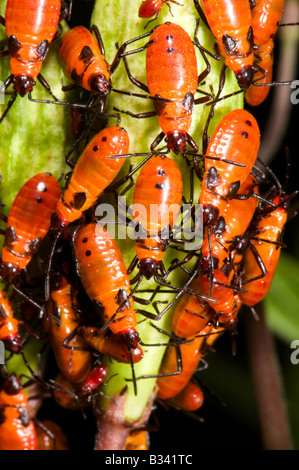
(137, 440)
(50, 436)
(149, 8)
(191, 354)
(226, 307)
(156, 204)
(83, 62)
(266, 16)
(103, 274)
(234, 217)
(190, 398)
(28, 222)
(171, 72)
(9, 331)
(236, 138)
(93, 172)
(190, 315)
(74, 364)
(263, 59)
(94, 379)
(230, 22)
(30, 27)
(110, 345)
(270, 228)
(73, 396)
(17, 431)
(66, 395)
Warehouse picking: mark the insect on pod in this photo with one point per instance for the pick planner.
(149, 8)
(266, 15)
(191, 353)
(262, 254)
(236, 138)
(230, 22)
(263, 60)
(234, 218)
(71, 352)
(110, 345)
(156, 205)
(17, 431)
(172, 82)
(103, 274)
(191, 315)
(74, 396)
(50, 436)
(31, 25)
(28, 222)
(9, 331)
(82, 58)
(227, 305)
(191, 398)
(92, 174)
(137, 440)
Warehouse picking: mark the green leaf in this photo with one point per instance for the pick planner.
(282, 301)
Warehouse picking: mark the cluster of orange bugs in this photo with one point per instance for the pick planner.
(88, 309)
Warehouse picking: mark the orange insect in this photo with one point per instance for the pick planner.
(73, 359)
(30, 27)
(94, 379)
(191, 353)
(103, 274)
(227, 305)
(17, 431)
(263, 61)
(234, 218)
(231, 24)
(156, 205)
(74, 396)
(110, 345)
(93, 172)
(82, 58)
(262, 255)
(191, 315)
(65, 393)
(149, 8)
(190, 398)
(266, 15)
(50, 436)
(28, 222)
(172, 81)
(236, 138)
(9, 326)
(137, 440)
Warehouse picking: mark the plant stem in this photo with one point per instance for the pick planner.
(267, 383)
(113, 429)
